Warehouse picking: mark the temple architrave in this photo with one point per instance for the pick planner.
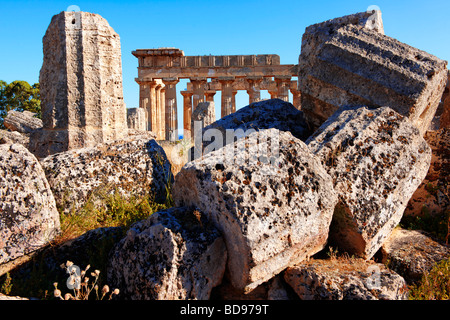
(161, 69)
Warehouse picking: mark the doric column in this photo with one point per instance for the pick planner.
(171, 108)
(198, 89)
(283, 84)
(187, 113)
(296, 98)
(227, 95)
(254, 93)
(210, 95)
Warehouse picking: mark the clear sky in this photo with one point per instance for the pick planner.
(210, 27)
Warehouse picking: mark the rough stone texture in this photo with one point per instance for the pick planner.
(136, 167)
(28, 215)
(349, 64)
(23, 122)
(336, 279)
(137, 119)
(81, 84)
(205, 113)
(411, 253)
(268, 195)
(433, 195)
(12, 137)
(176, 254)
(376, 159)
(266, 114)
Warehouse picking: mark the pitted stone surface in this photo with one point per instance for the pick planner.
(136, 167)
(272, 214)
(176, 254)
(377, 159)
(28, 215)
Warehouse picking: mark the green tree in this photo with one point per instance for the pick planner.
(19, 95)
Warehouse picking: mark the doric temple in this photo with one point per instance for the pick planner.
(161, 69)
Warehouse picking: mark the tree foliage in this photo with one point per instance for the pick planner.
(19, 95)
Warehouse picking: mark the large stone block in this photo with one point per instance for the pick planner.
(176, 254)
(266, 114)
(132, 168)
(345, 62)
(376, 159)
(28, 215)
(81, 83)
(268, 195)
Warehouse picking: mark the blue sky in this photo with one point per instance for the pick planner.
(210, 27)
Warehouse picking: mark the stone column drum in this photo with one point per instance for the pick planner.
(81, 84)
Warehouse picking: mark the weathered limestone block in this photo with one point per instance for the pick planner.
(90, 248)
(176, 254)
(12, 137)
(137, 119)
(376, 159)
(274, 289)
(28, 215)
(342, 279)
(23, 122)
(350, 64)
(268, 195)
(433, 195)
(81, 83)
(265, 114)
(132, 168)
(412, 253)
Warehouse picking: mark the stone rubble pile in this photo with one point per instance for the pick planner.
(252, 214)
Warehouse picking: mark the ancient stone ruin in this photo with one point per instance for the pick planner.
(271, 185)
(81, 84)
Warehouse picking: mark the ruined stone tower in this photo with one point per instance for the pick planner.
(81, 83)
